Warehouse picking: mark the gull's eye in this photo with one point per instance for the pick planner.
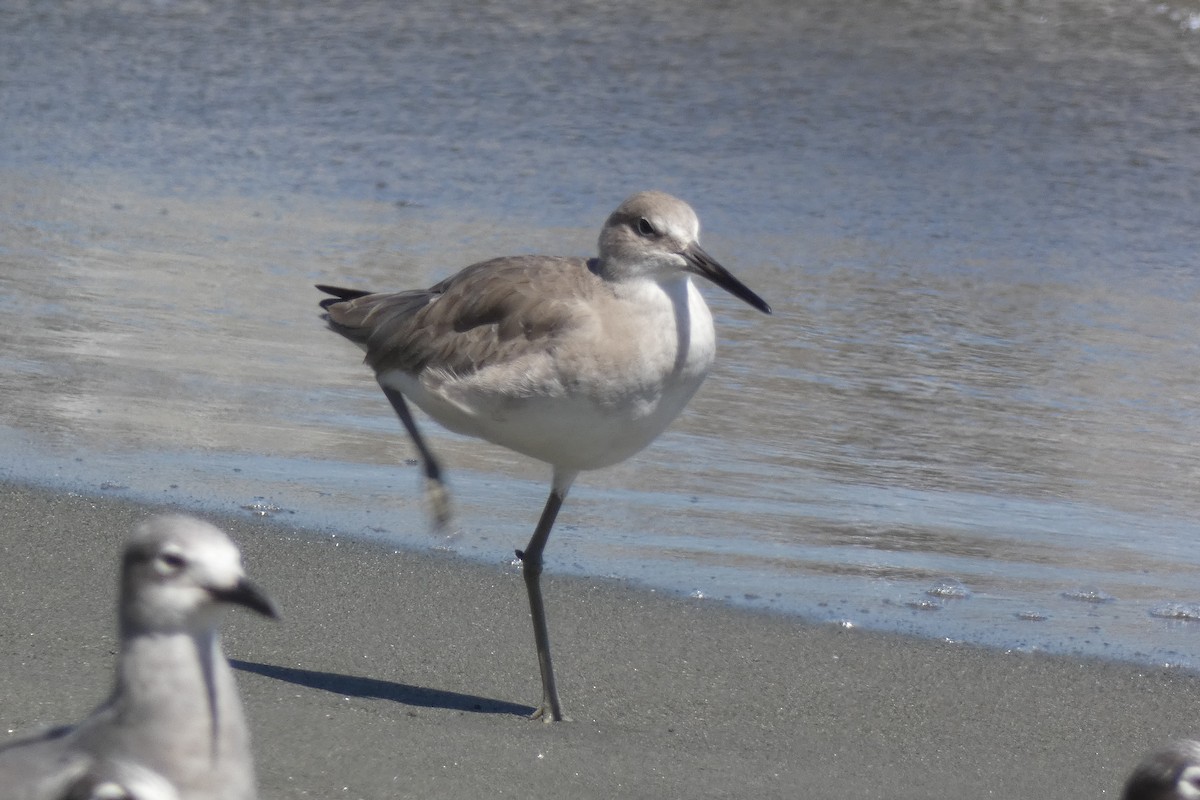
(645, 228)
(169, 563)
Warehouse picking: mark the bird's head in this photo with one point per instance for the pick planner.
(178, 573)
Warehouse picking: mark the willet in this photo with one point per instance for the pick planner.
(579, 363)
(1172, 773)
(173, 727)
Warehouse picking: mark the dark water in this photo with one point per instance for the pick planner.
(975, 414)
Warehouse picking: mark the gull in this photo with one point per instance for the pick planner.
(173, 727)
(579, 363)
(1172, 773)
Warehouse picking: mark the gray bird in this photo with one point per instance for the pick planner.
(173, 727)
(1172, 773)
(579, 363)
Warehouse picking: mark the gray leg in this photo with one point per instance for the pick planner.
(531, 566)
(435, 487)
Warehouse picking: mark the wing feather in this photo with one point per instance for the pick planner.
(489, 312)
(44, 767)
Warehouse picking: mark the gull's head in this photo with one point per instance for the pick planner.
(655, 235)
(1172, 773)
(178, 573)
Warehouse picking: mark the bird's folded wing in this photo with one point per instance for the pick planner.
(490, 312)
(42, 768)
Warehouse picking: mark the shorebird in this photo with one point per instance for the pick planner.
(173, 727)
(1172, 773)
(579, 363)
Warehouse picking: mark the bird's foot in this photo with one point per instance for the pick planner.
(547, 714)
(439, 504)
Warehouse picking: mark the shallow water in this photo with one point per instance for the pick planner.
(975, 413)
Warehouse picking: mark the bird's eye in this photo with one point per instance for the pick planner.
(645, 228)
(1189, 782)
(169, 563)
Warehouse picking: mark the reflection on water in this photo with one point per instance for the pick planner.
(975, 223)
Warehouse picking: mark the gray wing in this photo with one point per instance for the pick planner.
(52, 767)
(122, 781)
(42, 768)
(491, 311)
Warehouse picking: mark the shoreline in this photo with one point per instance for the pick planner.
(395, 673)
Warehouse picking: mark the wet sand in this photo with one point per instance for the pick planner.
(408, 675)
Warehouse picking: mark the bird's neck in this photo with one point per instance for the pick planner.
(184, 669)
(621, 271)
(671, 288)
(681, 341)
(163, 678)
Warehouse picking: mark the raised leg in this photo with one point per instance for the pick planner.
(435, 487)
(531, 566)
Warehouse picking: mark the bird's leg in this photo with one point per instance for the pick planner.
(531, 566)
(435, 487)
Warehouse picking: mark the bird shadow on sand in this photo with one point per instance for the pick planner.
(353, 686)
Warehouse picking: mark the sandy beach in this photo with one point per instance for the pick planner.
(402, 674)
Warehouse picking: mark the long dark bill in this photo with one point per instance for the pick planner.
(706, 266)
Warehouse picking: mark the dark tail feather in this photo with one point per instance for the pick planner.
(339, 294)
